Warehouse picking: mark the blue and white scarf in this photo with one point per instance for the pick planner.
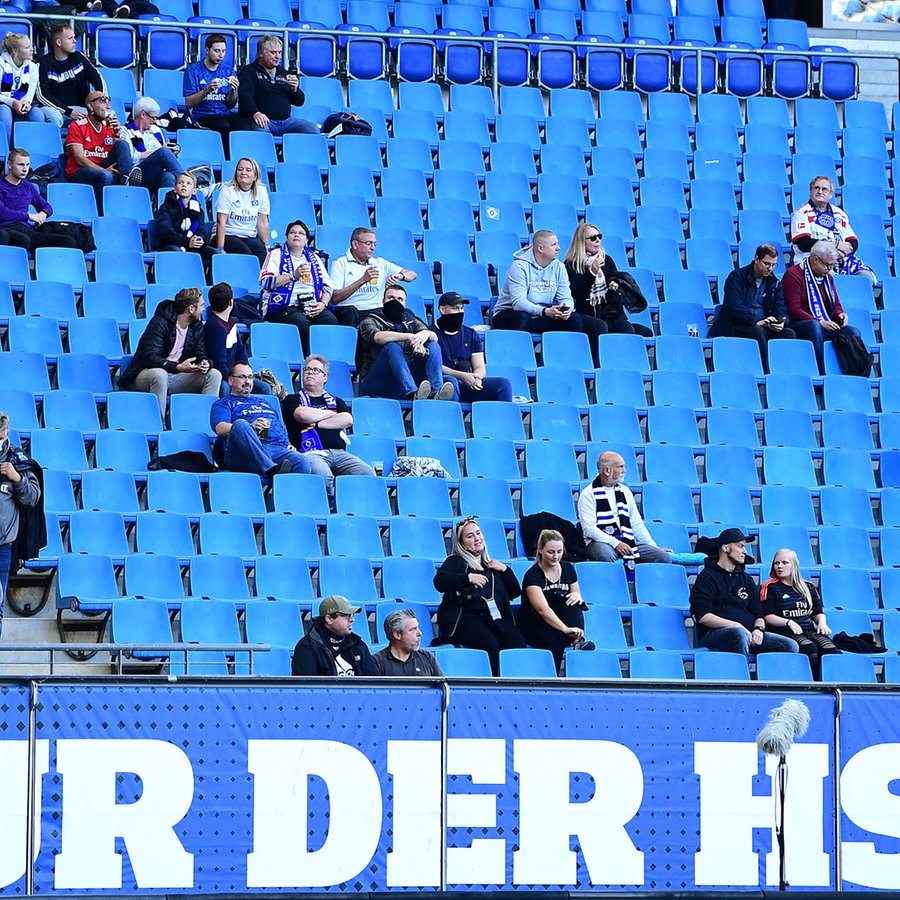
(276, 299)
(10, 84)
(614, 522)
(818, 303)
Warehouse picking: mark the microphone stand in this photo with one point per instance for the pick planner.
(780, 799)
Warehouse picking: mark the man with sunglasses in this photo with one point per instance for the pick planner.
(317, 424)
(331, 647)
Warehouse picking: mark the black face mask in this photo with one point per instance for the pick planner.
(450, 322)
(393, 310)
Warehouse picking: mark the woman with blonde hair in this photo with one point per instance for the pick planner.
(595, 282)
(475, 607)
(552, 612)
(242, 212)
(792, 607)
(18, 84)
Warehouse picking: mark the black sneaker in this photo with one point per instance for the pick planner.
(135, 177)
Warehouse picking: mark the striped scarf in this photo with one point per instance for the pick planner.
(616, 522)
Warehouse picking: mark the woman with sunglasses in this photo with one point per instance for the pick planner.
(475, 607)
(593, 278)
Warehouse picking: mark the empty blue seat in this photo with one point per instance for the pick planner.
(219, 577)
(230, 534)
(728, 667)
(463, 662)
(789, 667)
(154, 576)
(86, 582)
(656, 665)
(527, 663)
(166, 533)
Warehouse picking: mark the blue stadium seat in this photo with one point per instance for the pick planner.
(789, 667)
(787, 505)
(596, 665)
(669, 462)
(845, 546)
(362, 495)
(731, 426)
(236, 492)
(773, 538)
(165, 533)
(284, 578)
(656, 665)
(725, 504)
(417, 536)
(846, 588)
(109, 491)
(154, 576)
(668, 503)
(219, 577)
(486, 496)
(86, 582)
(141, 622)
(728, 667)
(228, 534)
(98, 532)
(463, 662)
(291, 535)
(527, 663)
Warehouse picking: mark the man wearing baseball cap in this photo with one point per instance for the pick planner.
(331, 647)
(462, 354)
(725, 599)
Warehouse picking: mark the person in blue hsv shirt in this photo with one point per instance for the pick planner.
(210, 90)
(250, 436)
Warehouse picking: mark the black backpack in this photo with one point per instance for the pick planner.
(852, 354)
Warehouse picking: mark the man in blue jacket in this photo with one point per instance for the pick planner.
(753, 305)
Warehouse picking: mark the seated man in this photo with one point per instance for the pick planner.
(820, 220)
(753, 305)
(153, 155)
(331, 647)
(398, 352)
(462, 353)
(812, 300)
(536, 296)
(171, 355)
(211, 90)
(249, 433)
(266, 92)
(725, 600)
(317, 423)
(19, 227)
(610, 520)
(359, 278)
(403, 658)
(66, 75)
(95, 154)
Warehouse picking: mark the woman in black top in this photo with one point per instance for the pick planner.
(793, 608)
(475, 608)
(551, 616)
(592, 278)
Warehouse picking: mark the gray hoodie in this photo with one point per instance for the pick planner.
(529, 288)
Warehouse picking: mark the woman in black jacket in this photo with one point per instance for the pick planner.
(475, 608)
(594, 280)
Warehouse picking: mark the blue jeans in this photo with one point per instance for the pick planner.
(160, 169)
(394, 377)
(737, 640)
(245, 452)
(290, 125)
(5, 561)
(120, 157)
(491, 389)
(812, 330)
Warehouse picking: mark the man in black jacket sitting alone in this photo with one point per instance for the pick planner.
(331, 647)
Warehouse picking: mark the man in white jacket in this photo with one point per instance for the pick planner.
(536, 296)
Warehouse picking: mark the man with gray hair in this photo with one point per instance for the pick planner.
(152, 153)
(266, 92)
(811, 296)
(402, 657)
(610, 520)
(19, 489)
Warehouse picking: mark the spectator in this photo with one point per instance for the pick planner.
(819, 220)
(19, 77)
(552, 613)
(266, 92)
(611, 522)
(317, 423)
(249, 434)
(462, 354)
(115, 10)
(242, 212)
(296, 289)
(181, 220)
(793, 608)
(813, 305)
(753, 305)
(95, 154)
(403, 657)
(223, 343)
(360, 278)
(331, 647)
(398, 352)
(211, 90)
(66, 76)
(20, 489)
(594, 282)
(153, 155)
(476, 591)
(725, 600)
(19, 226)
(171, 355)
(536, 296)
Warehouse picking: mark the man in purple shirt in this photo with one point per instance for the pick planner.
(18, 226)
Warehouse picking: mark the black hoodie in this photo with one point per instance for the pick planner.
(732, 595)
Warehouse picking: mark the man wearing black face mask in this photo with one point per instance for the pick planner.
(399, 357)
(462, 351)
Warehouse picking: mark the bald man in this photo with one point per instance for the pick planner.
(611, 522)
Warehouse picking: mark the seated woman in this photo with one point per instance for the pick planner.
(551, 616)
(475, 607)
(296, 287)
(793, 608)
(594, 280)
(242, 212)
(18, 85)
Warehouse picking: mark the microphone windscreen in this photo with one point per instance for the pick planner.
(786, 722)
